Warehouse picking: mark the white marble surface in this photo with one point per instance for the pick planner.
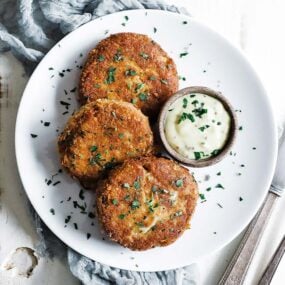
(257, 26)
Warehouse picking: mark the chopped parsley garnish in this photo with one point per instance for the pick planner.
(126, 185)
(75, 226)
(179, 182)
(126, 18)
(219, 186)
(52, 211)
(219, 205)
(183, 54)
(254, 148)
(111, 75)
(66, 104)
(208, 189)
(81, 194)
(67, 219)
(135, 204)
(154, 29)
(150, 205)
(164, 81)
(185, 102)
(202, 196)
(240, 128)
(91, 215)
(215, 152)
(115, 202)
(242, 165)
(192, 95)
(95, 159)
(93, 148)
(219, 173)
(219, 123)
(81, 207)
(101, 58)
(121, 135)
(170, 110)
(118, 56)
(97, 85)
(203, 128)
(122, 216)
(198, 154)
(143, 96)
(33, 136)
(139, 86)
(184, 22)
(137, 184)
(46, 124)
(127, 197)
(144, 55)
(240, 199)
(152, 77)
(182, 78)
(195, 102)
(88, 235)
(130, 72)
(199, 112)
(110, 164)
(134, 100)
(185, 116)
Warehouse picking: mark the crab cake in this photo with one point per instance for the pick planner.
(146, 202)
(101, 135)
(129, 67)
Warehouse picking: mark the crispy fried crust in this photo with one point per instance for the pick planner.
(101, 135)
(129, 67)
(146, 202)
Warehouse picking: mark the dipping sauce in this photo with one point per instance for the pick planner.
(197, 126)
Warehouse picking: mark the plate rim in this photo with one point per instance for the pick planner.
(266, 98)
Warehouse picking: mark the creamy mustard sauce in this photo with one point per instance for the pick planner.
(197, 126)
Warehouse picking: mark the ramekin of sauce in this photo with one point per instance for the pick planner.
(197, 126)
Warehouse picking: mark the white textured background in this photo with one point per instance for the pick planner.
(257, 27)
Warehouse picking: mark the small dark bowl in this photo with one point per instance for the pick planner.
(232, 132)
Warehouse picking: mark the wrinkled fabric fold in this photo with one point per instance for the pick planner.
(29, 28)
(91, 273)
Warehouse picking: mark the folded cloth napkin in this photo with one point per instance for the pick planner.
(29, 28)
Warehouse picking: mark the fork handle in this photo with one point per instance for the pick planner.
(238, 266)
(273, 264)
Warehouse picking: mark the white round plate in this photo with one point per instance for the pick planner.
(233, 189)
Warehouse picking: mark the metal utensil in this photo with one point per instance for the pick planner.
(273, 264)
(238, 266)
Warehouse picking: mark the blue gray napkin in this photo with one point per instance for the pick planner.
(29, 28)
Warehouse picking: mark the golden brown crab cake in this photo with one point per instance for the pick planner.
(129, 67)
(146, 202)
(101, 135)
